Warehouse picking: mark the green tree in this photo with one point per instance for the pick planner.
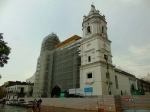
(4, 51)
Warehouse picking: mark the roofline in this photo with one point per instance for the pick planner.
(125, 73)
(75, 37)
(143, 80)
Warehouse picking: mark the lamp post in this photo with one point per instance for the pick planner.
(107, 74)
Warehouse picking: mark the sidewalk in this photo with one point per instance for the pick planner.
(58, 109)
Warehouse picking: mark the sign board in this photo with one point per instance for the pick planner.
(88, 89)
(71, 91)
(79, 91)
(62, 95)
(128, 99)
(76, 91)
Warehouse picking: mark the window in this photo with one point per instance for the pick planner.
(89, 75)
(132, 87)
(107, 75)
(89, 58)
(102, 29)
(121, 92)
(116, 81)
(105, 57)
(88, 29)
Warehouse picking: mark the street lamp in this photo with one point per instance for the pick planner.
(107, 74)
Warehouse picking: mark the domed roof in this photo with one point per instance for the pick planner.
(49, 42)
(50, 36)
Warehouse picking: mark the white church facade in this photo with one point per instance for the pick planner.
(81, 62)
(96, 56)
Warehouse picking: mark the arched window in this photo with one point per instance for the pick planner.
(88, 29)
(89, 58)
(116, 81)
(121, 92)
(132, 87)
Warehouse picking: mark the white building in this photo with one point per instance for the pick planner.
(95, 79)
(19, 90)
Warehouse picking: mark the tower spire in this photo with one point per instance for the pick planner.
(92, 4)
(93, 10)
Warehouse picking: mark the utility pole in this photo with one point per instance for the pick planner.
(107, 74)
(0, 76)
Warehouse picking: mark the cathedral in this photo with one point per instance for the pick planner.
(81, 62)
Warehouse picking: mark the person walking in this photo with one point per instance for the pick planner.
(40, 101)
(34, 104)
(4, 101)
(38, 104)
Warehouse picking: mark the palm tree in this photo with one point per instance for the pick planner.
(4, 51)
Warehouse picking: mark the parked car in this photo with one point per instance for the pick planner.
(27, 104)
(14, 102)
(9, 101)
(21, 101)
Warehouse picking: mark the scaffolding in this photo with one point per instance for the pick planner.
(58, 64)
(42, 69)
(66, 68)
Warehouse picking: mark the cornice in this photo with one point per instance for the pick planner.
(98, 63)
(94, 36)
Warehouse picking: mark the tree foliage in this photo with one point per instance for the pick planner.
(4, 51)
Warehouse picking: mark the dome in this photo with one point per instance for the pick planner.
(51, 36)
(49, 42)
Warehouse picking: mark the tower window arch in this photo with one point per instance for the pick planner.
(116, 81)
(88, 29)
(89, 58)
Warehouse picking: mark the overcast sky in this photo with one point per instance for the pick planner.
(26, 22)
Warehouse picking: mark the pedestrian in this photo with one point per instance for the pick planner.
(40, 101)
(39, 104)
(34, 104)
(4, 101)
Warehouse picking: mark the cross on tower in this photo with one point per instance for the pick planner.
(93, 3)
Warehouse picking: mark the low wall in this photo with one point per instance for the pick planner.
(106, 102)
(80, 103)
(135, 102)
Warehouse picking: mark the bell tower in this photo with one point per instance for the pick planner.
(94, 23)
(95, 47)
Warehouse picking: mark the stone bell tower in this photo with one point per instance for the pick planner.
(95, 46)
